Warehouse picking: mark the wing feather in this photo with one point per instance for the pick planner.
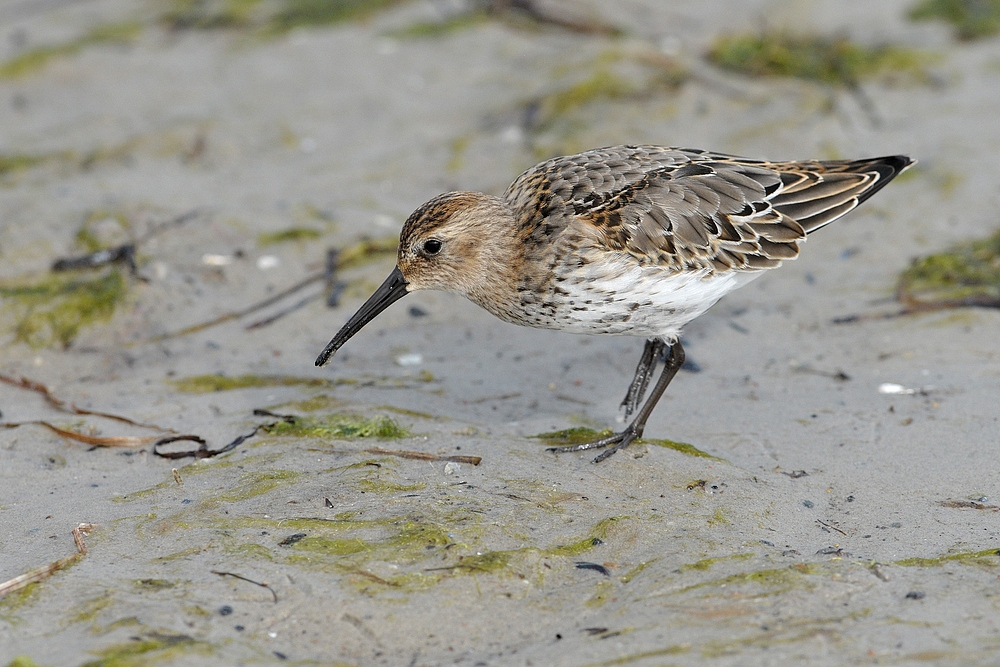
(690, 210)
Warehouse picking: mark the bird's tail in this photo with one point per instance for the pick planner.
(816, 193)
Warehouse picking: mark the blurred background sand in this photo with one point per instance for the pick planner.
(806, 515)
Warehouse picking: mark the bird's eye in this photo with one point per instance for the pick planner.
(432, 246)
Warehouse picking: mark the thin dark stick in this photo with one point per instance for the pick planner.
(235, 315)
(302, 303)
(242, 578)
(824, 523)
(334, 287)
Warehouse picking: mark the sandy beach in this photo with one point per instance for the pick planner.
(788, 507)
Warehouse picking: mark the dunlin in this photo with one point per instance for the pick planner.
(628, 240)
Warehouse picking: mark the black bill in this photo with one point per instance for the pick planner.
(393, 289)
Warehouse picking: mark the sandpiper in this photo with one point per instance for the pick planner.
(627, 240)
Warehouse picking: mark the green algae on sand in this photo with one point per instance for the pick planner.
(340, 426)
(288, 235)
(302, 13)
(706, 563)
(34, 60)
(22, 661)
(579, 435)
(966, 275)
(268, 18)
(985, 557)
(972, 19)
(771, 581)
(203, 384)
(153, 648)
(414, 540)
(52, 310)
(834, 61)
(14, 162)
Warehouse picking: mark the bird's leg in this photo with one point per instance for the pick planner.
(674, 360)
(637, 388)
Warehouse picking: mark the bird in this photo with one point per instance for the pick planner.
(623, 240)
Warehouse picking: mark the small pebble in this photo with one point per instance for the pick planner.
(265, 262)
(410, 359)
(216, 260)
(225, 610)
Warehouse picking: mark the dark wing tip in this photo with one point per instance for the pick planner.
(887, 167)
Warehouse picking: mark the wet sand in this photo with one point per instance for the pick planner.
(811, 520)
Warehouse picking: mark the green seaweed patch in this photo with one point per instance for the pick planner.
(682, 447)
(154, 647)
(635, 571)
(153, 584)
(288, 235)
(967, 274)
(384, 486)
(251, 551)
(255, 484)
(20, 598)
(706, 563)
(88, 610)
(719, 518)
(22, 661)
(181, 555)
(313, 404)
(605, 84)
(303, 13)
(602, 84)
(209, 14)
(774, 580)
(835, 61)
(268, 19)
(14, 162)
(53, 309)
(990, 557)
(367, 250)
(203, 384)
(144, 493)
(94, 234)
(577, 435)
(333, 547)
(341, 426)
(34, 60)
(411, 542)
(489, 561)
(597, 535)
(455, 23)
(972, 19)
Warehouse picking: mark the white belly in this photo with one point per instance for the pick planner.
(618, 297)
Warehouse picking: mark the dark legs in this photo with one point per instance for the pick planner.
(674, 360)
(652, 353)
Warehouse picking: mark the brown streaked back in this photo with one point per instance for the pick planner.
(690, 210)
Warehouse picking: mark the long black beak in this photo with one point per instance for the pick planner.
(392, 290)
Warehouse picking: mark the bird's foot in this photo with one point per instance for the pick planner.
(613, 442)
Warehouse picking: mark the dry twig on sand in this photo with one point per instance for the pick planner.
(46, 571)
